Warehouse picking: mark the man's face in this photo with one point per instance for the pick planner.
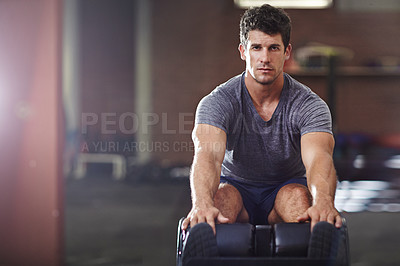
(265, 56)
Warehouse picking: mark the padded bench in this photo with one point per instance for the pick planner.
(280, 244)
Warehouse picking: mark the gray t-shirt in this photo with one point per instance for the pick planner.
(258, 150)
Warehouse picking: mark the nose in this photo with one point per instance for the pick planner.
(264, 56)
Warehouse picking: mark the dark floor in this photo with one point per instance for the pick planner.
(129, 223)
(119, 223)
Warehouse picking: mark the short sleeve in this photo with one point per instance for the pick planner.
(314, 116)
(214, 109)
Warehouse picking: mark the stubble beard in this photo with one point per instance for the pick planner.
(269, 81)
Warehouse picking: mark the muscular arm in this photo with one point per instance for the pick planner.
(209, 143)
(316, 151)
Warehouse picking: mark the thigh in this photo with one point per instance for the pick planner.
(247, 194)
(230, 203)
(291, 200)
(251, 193)
(269, 200)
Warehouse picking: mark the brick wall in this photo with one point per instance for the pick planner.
(194, 48)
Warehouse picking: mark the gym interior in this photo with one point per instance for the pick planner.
(97, 103)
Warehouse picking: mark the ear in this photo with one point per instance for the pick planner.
(242, 51)
(288, 52)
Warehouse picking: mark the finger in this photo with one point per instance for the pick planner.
(211, 222)
(339, 221)
(222, 219)
(193, 221)
(201, 219)
(331, 219)
(314, 220)
(185, 224)
(304, 217)
(323, 217)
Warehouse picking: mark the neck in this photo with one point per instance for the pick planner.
(264, 93)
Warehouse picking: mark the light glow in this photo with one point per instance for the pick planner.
(300, 4)
(359, 162)
(367, 195)
(393, 162)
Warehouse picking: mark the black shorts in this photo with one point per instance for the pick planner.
(258, 198)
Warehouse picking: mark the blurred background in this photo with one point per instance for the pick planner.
(97, 102)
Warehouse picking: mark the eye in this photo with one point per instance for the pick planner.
(256, 47)
(274, 48)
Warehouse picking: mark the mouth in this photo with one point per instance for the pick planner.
(265, 69)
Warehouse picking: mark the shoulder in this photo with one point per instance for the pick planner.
(308, 112)
(299, 94)
(218, 108)
(296, 89)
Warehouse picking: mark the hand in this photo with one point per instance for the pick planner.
(322, 211)
(204, 215)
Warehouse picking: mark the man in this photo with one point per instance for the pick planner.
(263, 141)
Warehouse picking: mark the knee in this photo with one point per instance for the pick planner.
(297, 193)
(226, 193)
(229, 201)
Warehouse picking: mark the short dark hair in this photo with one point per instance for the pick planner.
(268, 19)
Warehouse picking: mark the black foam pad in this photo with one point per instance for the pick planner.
(263, 241)
(235, 239)
(291, 239)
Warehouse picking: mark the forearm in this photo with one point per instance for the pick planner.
(321, 178)
(204, 180)
(317, 150)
